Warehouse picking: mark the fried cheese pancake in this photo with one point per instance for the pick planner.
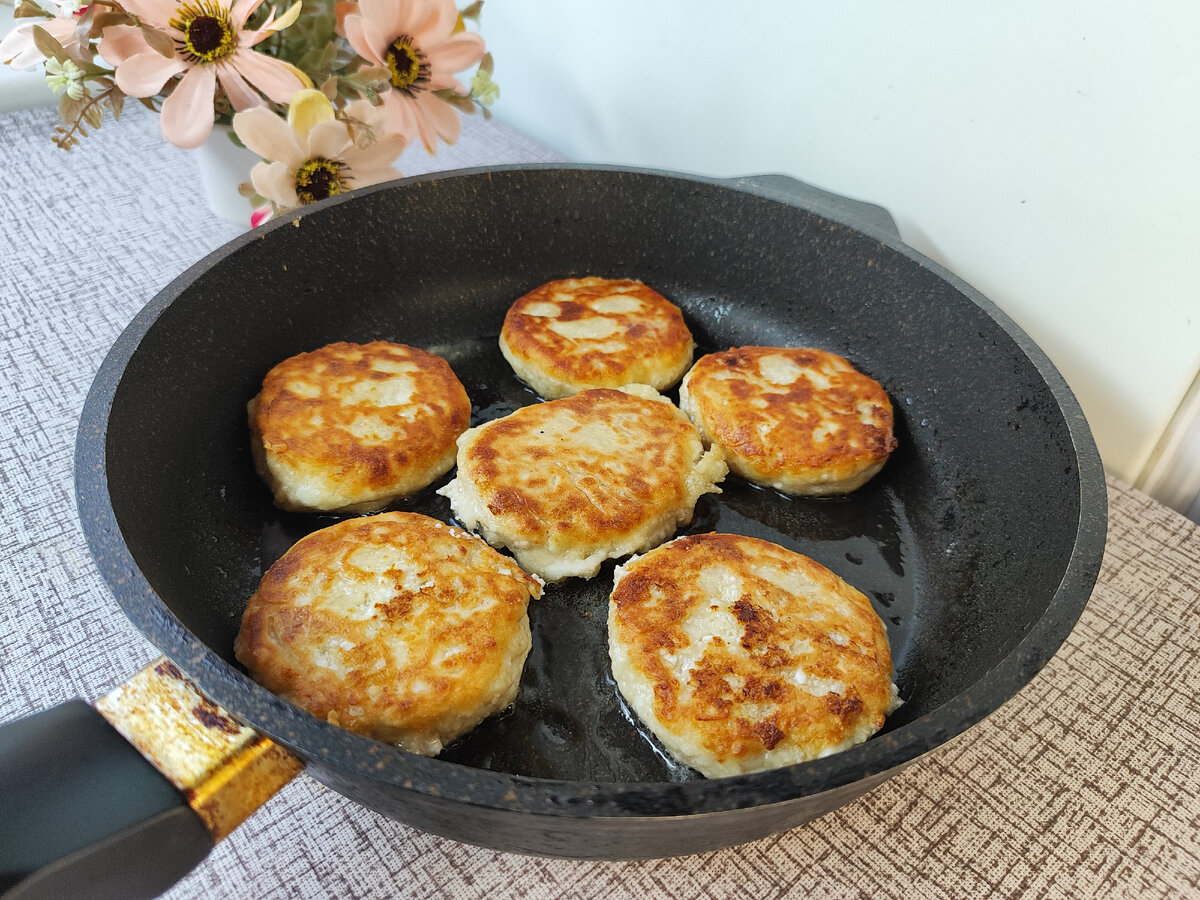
(578, 333)
(395, 626)
(350, 427)
(741, 655)
(800, 420)
(569, 483)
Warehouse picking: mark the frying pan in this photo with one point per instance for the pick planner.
(978, 544)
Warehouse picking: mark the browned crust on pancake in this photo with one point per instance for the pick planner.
(540, 471)
(420, 441)
(803, 432)
(456, 606)
(656, 345)
(742, 700)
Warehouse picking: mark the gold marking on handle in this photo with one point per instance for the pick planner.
(225, 770)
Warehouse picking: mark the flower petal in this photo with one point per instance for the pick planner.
(378, 156)
(439, 117)
(19, 50)
(362, 176)
(242, 10)
(260, 215)
(329, 140)
(144, 74)
(388, 16)
(400, 115)
(237, 89)
(277, 182)
(438, 21)
(119, 42)
(456, 53)
(367, 39)
(351, 30)
(289, 17)
(341, 9)
(155, 12)
(271, 76)
(308, 109)
(187, 115)
(371, 116)
(267, 135)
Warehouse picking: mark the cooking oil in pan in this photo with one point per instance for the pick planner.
(569, 720)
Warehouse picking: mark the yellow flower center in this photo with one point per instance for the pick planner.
(407, 65)
(208, 32)
(319, 178)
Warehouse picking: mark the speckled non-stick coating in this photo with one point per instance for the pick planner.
(979, 542)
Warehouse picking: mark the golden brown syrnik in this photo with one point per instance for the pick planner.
(741, 655)
(351, 427)
(801, 420)
(569, 483)
(578, 333)
(395, 626)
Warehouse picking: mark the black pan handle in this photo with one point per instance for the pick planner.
(125, 798)
(833, 206)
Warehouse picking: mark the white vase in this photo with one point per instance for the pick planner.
(223, 166)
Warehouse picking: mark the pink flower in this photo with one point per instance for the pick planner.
(211, 47)
(260, 215)
(416, 41)
(314, 155)
(18, 50)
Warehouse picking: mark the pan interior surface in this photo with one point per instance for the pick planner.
(962, 542)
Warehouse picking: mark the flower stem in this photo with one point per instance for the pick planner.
(66, 137)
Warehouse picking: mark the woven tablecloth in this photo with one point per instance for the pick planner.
(1085, 784)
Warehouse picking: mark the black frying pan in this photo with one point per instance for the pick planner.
(979, 542)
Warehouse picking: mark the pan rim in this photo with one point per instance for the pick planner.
(326, 746)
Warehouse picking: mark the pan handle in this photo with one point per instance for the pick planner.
(125, 798)
(826, 203)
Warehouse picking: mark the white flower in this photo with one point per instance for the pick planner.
(484, 89)
(314, 155)
(66, 76)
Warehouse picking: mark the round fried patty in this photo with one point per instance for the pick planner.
(800, 420)
(395, 626)
(351, 427)
(741, 655)
(569, 483)
(578, 333)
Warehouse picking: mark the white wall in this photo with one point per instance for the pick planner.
(1048, 153)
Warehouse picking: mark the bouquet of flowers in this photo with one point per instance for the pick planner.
(328, 93)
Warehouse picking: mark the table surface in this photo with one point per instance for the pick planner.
(1087, 783)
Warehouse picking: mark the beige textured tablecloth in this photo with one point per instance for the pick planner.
(1087, 784)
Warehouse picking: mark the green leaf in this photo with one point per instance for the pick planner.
(47, 45)
(160, 41)
(106, 19)
(68, 109)
(473, 11)
(116, 102)
(27, 9)
(64, 139)
(91, 70)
